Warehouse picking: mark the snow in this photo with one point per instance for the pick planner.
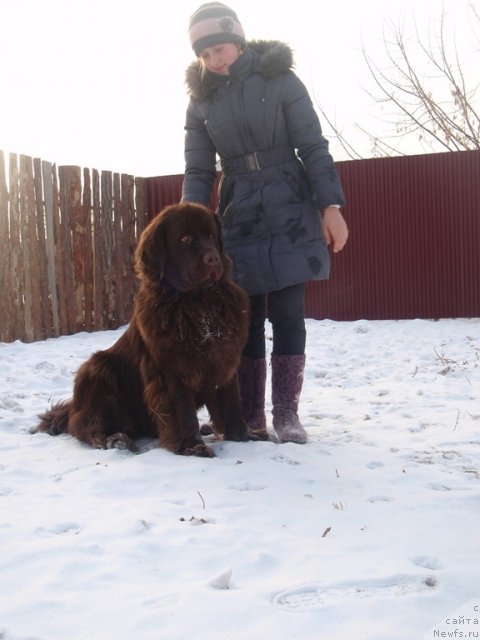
(371, 530)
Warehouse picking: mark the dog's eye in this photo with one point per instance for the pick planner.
(186, 239)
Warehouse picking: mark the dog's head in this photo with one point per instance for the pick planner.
(182, 246)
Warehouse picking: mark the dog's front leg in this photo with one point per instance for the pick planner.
(225, 410)
(173, 411)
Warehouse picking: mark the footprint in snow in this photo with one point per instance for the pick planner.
(435, 486)
(162, 601)
(427, 562)
(45, 366)
(247, 486)
(375, 464)
(282, 458)
(62, 528)
(7, 491)
(374, 499)
(315, 595)
(10, 405)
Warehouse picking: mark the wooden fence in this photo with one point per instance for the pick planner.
(66, 242)
(67, 236)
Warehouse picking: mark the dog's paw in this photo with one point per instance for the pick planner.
(236, 430)
(119, 441)
(97, 440)
(206, 429)
(258, 434)
(199, 449)
(237, 436)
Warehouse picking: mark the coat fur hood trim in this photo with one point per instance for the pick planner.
(272, 58)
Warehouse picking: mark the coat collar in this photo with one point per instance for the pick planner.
(267, 57)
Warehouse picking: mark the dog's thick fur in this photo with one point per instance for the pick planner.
(180, 351)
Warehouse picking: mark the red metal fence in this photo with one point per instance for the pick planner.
(414, 245)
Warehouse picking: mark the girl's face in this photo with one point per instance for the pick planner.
(220, 57)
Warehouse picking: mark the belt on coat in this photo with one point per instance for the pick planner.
(257, 160)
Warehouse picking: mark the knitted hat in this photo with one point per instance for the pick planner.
(214, 23)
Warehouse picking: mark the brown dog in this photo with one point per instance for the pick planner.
(180, 351)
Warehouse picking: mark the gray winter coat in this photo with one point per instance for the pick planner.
(269, 200)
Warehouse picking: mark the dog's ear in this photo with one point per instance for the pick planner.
(151, 251)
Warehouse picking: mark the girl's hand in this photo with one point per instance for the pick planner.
(335, 228)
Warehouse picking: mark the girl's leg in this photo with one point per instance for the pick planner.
(255, 347)
(286, 313)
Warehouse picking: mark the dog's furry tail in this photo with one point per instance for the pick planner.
(55, 420)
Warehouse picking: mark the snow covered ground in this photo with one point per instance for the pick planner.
(371, 530)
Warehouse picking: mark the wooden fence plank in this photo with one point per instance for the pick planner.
(64, 247)
(62, 287)
(26, 215)
(78, 233)
(88, 248)
(47, 175)
(141, 218)
(6, 333)
(129, 241)
(44, 298)
(16, 271)
(106, 243)
(97, 253)
(36, 301)
(119, 273)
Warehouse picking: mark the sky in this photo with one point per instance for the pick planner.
(369, 531)
(101, 84)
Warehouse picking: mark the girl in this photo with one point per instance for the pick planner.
(248, 107)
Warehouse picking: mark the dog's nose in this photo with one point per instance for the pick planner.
(211, 258)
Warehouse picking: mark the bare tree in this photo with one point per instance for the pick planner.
(425, 88)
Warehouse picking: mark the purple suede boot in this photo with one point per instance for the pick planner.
(287, 382)
(252, 375)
